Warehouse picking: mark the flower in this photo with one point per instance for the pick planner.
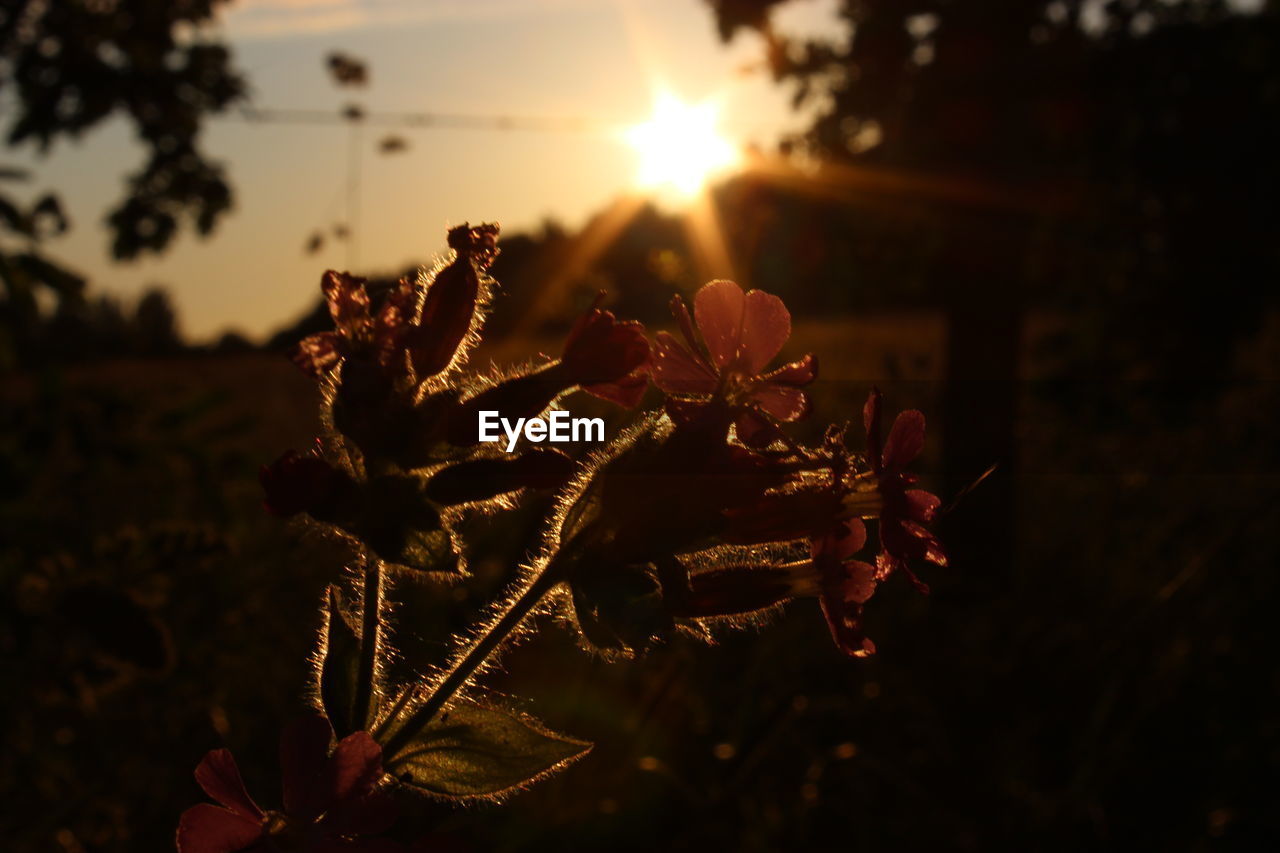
(737, 335)
(603, 356)
(330, 800)
(826, 505)
(845, 585)
(903, 511)
(842, 586)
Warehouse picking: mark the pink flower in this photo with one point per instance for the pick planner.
(845, 585)
(829, 513)
(330, 801)
(903, 511)
(737, 335)
(841, 584)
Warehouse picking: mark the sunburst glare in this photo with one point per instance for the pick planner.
(679, 146)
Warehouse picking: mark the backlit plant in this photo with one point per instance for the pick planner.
(701, 510)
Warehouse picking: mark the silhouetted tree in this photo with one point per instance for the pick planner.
(68, 66)
(1116, 158)
(65, 67)
(155, 325)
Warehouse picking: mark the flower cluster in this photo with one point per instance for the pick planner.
(331, 801)
(702, 509)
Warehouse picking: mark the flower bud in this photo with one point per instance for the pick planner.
(303, 482)
(737, 589)
(481, 479)
(607, 358)
(452, 301)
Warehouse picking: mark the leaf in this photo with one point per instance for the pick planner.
(13, 218)
(340, 668)
(619, 608)
(475, 751)
(49, 210)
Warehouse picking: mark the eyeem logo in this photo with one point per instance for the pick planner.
(558, 428)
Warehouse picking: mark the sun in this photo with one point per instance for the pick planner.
(679, 147)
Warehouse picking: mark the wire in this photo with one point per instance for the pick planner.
(453, 121)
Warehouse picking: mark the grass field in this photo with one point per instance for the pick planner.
(154, 611)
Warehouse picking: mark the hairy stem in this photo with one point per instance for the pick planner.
(470, 662)
(369, 641)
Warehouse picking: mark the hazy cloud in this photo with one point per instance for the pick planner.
(277, 18)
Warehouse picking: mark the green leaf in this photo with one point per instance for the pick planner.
(475, 751)
(339, 668)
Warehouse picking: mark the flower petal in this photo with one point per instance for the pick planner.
(927, 545)
(601, 351)
(851, 539)
(626, 392)
(677, 371)
(207, 828)
(355, 767)
(718, 308)
(220, 778)
(844, 621)
(797, 373)
(859, 581)
(782, 401)
(766, 325)
(905, 441)
(304, 757)
(921, 505)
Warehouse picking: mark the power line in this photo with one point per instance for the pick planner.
(442, 120)
(451, 121)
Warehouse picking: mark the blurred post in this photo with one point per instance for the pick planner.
(984, 307)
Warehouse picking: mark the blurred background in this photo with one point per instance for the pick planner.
(1052, 226)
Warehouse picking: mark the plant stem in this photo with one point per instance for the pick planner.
(369, 642)
(467, 665)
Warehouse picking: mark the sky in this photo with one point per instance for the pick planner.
(602, 60)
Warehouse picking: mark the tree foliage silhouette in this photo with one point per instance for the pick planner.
(1118, 160)
(69, 66)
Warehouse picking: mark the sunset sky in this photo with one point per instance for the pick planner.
(602, 60)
